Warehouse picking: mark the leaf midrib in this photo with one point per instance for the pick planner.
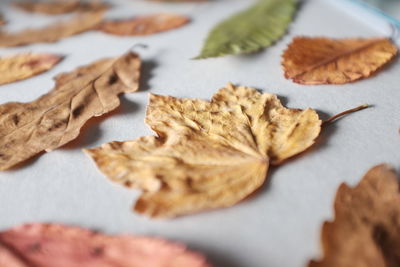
(65, 101)
(337, 57)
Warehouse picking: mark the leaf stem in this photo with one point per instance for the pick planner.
(140, 45)
(341, 114)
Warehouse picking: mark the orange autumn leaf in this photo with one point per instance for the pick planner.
(56, 118)
(329, 61)
(365, 230)
(23, 66)
(207, 155)
(82, 22)
(54, 245)
(59, 6)
(144, 25)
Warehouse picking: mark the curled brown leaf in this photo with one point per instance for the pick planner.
(55, 118)
(365, 230)
(59, 6)
(82, 22)
(144, 25)
(23, 66)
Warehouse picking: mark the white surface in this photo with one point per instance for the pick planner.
(280, 225)
(390, 6)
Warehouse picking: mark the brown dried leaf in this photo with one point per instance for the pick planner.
(60, 7)
(324, 61)
(365, 231)
(23, 66)
(144, 25)
(52, 245)
(55, 118)
(207, 154)
(82, 22)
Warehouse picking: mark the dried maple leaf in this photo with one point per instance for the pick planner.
(365, 231)
(59, 7)
(144, 25)
(207, 154)
(23, 66)
(323, 61)
(54, 119)
(84, 21)
(52, 245)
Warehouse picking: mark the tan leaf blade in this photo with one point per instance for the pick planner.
(329, 61)
(80, 23)
(365, 231)
(144, 25)
(207, 155)
(23, 66)
(59, 7)
(53, 245)
(55, 118)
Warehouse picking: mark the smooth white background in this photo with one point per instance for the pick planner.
(280, 225)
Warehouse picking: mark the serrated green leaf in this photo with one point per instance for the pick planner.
(251, 30)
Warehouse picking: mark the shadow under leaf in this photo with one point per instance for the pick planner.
(91, 132)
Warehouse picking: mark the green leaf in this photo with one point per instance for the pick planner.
(251, 30)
